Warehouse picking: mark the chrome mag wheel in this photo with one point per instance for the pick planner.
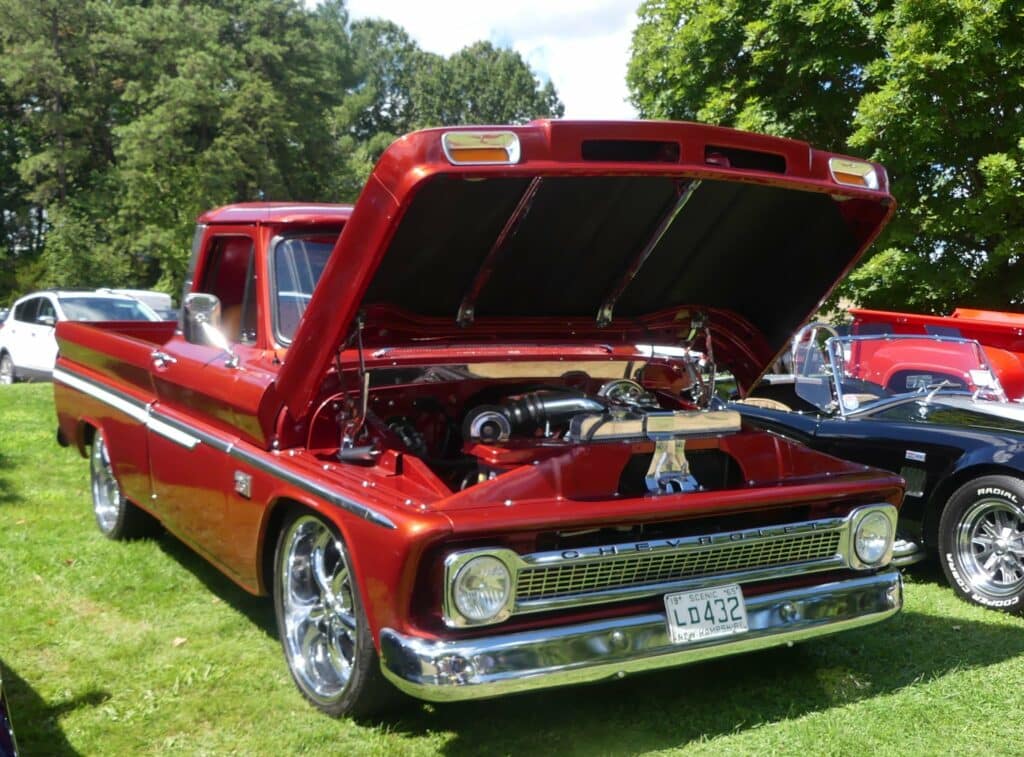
(318, 610)
(106, 494)
(990, 547)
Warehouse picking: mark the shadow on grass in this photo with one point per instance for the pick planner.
(28, 708)
(674, 707)
(9, 494)
(259, 610)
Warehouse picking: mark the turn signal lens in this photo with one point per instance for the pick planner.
(476, 148)
(853, 173)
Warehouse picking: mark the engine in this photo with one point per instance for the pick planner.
(621, 410)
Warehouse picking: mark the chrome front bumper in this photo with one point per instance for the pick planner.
(446, 671)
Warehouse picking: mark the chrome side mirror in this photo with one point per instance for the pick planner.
(46, 320)
(202, 324)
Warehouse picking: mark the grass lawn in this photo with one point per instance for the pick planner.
(115, 648)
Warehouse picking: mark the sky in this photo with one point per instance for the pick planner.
(580, 45)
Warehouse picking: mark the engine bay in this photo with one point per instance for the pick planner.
(655, 422)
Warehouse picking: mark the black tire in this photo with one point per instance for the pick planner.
(8, 373)
(324, 634)
(116, 517)
(981, 542)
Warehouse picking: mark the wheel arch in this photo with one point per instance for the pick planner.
(280, 506)
(945, 488)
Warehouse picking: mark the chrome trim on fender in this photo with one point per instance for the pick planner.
(445, 671)
(190, 437)
(588, 575)
(133, 408)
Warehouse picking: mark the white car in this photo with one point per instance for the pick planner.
(28, 348)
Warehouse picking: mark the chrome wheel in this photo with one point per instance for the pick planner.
(318, 610)
(990, 547)
(106, 494)
(6, 370)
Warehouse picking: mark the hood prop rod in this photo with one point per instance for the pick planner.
(468, 304)
(604, 314)
(357, 418)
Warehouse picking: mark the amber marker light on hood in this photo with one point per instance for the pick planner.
(475, 148)
(854, 173)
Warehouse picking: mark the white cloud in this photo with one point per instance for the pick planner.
(583, 47)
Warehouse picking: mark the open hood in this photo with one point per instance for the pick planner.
(584, 232)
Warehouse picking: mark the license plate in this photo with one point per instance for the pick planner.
(704, 614)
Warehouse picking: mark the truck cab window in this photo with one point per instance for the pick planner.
(230, 275)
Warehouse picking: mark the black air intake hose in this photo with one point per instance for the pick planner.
(495, 423)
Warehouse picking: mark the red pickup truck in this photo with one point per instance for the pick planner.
(465, 432)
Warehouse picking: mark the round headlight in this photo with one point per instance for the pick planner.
(482, 588)
(873, 537)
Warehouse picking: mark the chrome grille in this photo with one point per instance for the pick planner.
(550, 582)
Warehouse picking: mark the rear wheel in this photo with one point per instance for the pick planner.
(324, 632)
(7, 374)
(116, 517)
(981, 540)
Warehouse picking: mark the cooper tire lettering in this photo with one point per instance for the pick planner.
(981, 540)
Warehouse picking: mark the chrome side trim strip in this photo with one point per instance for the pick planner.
(312, 487)
(189, 438)
(133, 408)
(446, 671)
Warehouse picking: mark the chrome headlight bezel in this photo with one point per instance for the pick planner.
(455, 566)
(867, 517)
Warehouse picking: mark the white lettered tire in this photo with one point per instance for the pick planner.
(981, 542)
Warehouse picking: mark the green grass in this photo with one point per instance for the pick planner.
(115, 648)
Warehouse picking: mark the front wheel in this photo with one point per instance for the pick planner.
(324, 632)
(116, 517)
(981, 541)
(7, 374)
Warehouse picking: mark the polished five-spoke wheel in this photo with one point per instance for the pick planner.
(981, 537)
(106, 494)
(116, 517)
(320, 633)
(323, 629)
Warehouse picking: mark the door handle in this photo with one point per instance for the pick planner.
(161, 359)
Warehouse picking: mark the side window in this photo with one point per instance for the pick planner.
(230, 275)
(46, 315)
(26, 311)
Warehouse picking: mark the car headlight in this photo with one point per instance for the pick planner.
(482, 588)
(873, 538)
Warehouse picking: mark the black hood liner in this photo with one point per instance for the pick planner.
(767, 253)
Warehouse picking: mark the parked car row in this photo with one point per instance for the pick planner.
(28, 346)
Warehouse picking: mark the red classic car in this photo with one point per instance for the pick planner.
(465, 432)
(1001, 335)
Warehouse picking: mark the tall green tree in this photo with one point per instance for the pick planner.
(933, 90)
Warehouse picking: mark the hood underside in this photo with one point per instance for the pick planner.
(563, 246)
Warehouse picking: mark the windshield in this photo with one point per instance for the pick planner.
(298, 264)
(105, 309)
(851, 373)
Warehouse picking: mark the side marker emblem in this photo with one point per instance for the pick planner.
(243, 484)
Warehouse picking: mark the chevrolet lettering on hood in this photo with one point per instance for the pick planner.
(465, 433)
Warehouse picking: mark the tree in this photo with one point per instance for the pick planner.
(402, 88)
(932, 90)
